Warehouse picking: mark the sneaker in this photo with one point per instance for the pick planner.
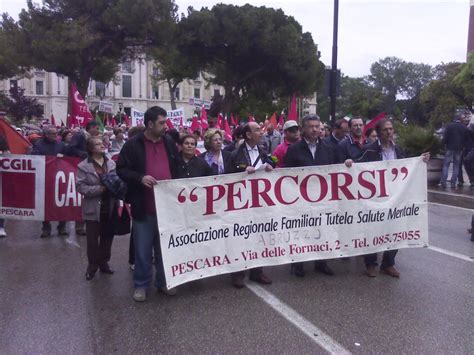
(139, 295)
(3, 234)
(170, 292)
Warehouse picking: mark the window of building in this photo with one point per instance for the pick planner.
(156, 71)
(176, 94)
(217, 92)
(126, 86)
(155, 92)
(99, 89)
(197, 93)
(39, 87)
(13, 84)
(127, 66)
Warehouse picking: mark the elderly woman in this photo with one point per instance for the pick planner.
(99, 207)
(215, 157)
(189, 165)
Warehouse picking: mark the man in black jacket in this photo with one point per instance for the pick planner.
(351, 147)
(455, 138)
(50, 146)
(311, 151)
(383, 149)
(143, 161)
(249, 157)
(338, 134)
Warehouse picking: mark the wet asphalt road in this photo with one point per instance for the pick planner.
(47, 307)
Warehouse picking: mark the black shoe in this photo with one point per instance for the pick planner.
(324, 269)
(80, 232)
(89, 275)
(297, 270)
(45, 234)
(62, 232)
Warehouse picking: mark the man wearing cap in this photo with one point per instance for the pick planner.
(291, 135)
(311, 150)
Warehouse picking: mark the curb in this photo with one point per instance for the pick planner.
(451, 199)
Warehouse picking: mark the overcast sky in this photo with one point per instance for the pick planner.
(420, 31)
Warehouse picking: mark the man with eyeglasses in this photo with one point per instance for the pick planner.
(50, 146)
(145, 159)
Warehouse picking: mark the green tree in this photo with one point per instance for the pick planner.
(245, 48)
(85, 39)
(18, 106)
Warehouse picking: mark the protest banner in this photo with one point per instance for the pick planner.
(215, 225)
(39, 188)
(138, 117)
(105, 106)
(200, 103)
(176, 116)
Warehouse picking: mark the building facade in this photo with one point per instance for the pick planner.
(135, 88)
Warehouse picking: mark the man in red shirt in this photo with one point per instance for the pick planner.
(292, 135)
(144, 160)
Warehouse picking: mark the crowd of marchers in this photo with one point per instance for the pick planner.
(125, 164)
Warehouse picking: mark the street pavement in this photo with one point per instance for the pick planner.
(47, 306)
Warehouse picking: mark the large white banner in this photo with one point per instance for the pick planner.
(215, 225)
(176, 116)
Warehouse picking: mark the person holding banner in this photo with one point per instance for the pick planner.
(144, 160)
(250, 157)
(99, 207)
(311, 150)
(189, 165)
(214, 156)
(383, 149)
(351, 147)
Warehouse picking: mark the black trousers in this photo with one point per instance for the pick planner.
(47, 225)
(100, 236)
(240, 275)
(387, 260)
(300, 266)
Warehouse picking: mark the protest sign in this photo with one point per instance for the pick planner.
(176, 116)
(138, 117)
(105, 106)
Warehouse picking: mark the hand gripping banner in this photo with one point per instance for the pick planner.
(215, 225)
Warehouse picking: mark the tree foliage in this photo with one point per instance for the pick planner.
(18, 106)
(255, 51)
(84, 39)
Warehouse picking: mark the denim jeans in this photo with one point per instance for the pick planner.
(146, 239)
(451, 156)
(1, 223)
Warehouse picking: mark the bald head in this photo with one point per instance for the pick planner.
(252, 133)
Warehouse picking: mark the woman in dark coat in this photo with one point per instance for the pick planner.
(189, 164)
(215, 157)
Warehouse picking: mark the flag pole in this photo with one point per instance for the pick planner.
(333, 81)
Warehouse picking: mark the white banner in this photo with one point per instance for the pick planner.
(176, 116)
(210, 226)
(105, 106)
(138, 117)
(200, 103)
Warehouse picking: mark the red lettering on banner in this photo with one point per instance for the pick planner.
(322, 184)
(211, 198)
(366, 184)
(199, 264)
(383, 189)
(278, 192)
(256, 193)
(344, 188)
(232, 194)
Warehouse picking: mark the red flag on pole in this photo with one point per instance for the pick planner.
(251, 118)
(372, 123)
(195, 124)
(220, 121)
(273, 120)
(80, 114)
(228, 133)
(281, 121)
(53, 121)
(127, 120)
(169, 124)
(233, 121)
(181, 124)
(204, 123)
(292, 115)
(16, 142)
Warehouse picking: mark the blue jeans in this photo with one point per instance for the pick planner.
(145, 239)
(1, 223)
(451, 156)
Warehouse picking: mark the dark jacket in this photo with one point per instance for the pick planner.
(3, 144)
(77, 147)
(456, 136)
(47, 147)
(332, 141)
(298, 154)
(194, 168)
(225, 157)
(131, 167)
(348, 149)
(240, 159)
(373, 152)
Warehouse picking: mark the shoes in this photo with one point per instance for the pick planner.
(238, 282)
(371, 271)
(107, 270)
(80, 232)
(62, 231)
(139, 295)
(170, 292)
(132, 267)
(45, 234)
(297, 270)
(391, 271)
(324, 269)
(261, 279)
(89, 275)
(3, 234)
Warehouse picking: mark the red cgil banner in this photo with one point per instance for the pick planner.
(39, 188)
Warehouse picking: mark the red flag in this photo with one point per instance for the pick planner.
(181, 124)
(273, 120)
(281, 121)
(169, 124)
(195, 124)
(251, 118)
(228, 133)
(53, 121)
(204, 123)
(16, 142)
(292, 115)
(220, 121)
(80, 114)
(127, 120)
(114, 122)
(372, 123)
(233, 121)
